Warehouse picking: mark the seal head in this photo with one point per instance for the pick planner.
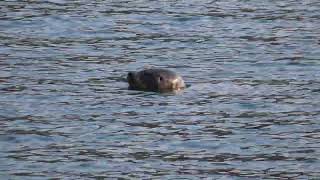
(159, 80)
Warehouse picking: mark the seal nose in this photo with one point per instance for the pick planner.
(178, 83)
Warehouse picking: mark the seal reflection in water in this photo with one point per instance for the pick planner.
(158, 80)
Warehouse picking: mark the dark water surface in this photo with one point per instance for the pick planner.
(252, 110)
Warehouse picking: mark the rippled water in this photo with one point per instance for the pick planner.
(252, 110)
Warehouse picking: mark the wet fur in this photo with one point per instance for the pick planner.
(159, 80)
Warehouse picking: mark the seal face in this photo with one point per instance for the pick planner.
(159, 80)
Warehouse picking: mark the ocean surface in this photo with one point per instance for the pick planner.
(252, 110)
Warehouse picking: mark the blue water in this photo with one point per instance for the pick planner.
(252, 109)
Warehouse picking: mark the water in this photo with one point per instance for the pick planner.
(252, 110)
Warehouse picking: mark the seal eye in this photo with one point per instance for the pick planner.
(160, 78)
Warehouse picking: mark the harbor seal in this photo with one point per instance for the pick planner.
(154, 79)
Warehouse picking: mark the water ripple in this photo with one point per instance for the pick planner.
(250, 110)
